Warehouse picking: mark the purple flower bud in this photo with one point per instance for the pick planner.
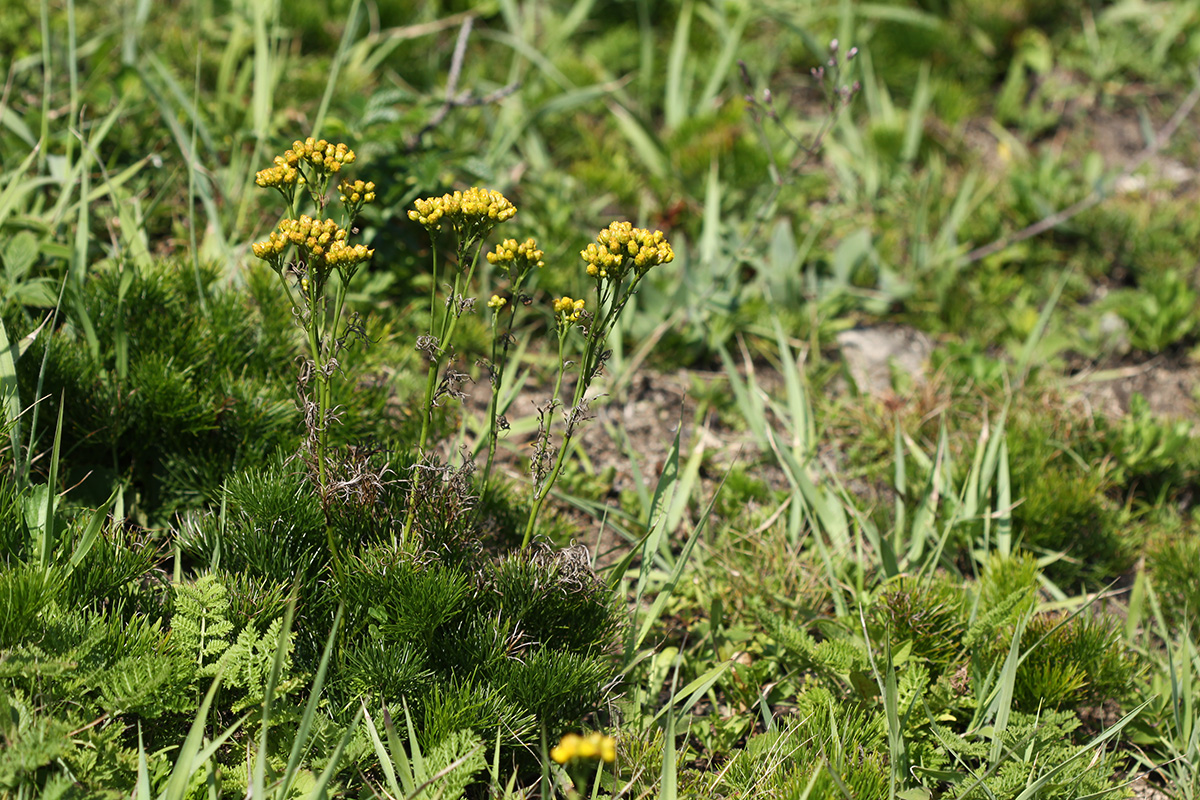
(853, 52)
(833, 46)
(767, 96)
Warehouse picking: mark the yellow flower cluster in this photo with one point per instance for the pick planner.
(594, 745)
(475, 210)
(313, 235)
(319, 239)
(522, 256)
(569, 309)
(272, 249)
(356, 192)
(324, 156)
(320, 153)
(278, 176)
(344, 256)
(620, 246)
(497, 302)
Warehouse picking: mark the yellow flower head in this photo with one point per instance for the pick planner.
(356, 194)
(473, 212)
(568, 310)
(621, 246)
(594, 745)
(312, 157)
(313, 236)
(517, 258)
(324, 157)
(271, 250)
(497, 302)
(347, 257)
(279, 176)
(319, 241)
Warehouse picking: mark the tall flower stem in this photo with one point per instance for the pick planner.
(620, 252)
(440, 347)
(516, 260)
(539, 497)
(499, 358)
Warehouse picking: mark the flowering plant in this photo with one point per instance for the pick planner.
(308, 253)
(616, 262)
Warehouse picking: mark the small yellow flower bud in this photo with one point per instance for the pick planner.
(568, 310)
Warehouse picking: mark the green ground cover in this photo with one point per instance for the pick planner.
(832, 437)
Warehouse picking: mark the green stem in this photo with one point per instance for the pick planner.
(499, 356)
(499, 364)
(596, 337)
(431, 377)
(539, 497)
(314, 338)
(446, 334)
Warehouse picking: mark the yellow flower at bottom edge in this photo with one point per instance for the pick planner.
(594, 745)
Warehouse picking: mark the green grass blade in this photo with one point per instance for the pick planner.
(900, 484)
(675, 104)
(381, 753)
(1002, 704)
(91, 532)
(181, 773)
(1039, 330)
(647, 149)
(746, 396)
(418, 761)
(697, 689)
(264, 72)
(719, 71)
(331, 84)
(669, 776)
(17, 187)
(399, 754)
(44, 528)
(11, 120)
(1034, 788)
(915, 129)
(668, 588)
(321, 790)
(142, 789)
(300, 742)
(665, 489)
(1004, 504)
(136, 15)
(800, 420)
(258, 780)
(10, 396)
(686, 484)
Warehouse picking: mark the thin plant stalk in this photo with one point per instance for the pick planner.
(613, 295)
(518, 260)
(471, 215)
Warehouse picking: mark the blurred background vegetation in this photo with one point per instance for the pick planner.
(130, 133)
